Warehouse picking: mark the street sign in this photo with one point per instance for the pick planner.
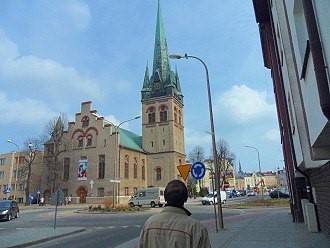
(6, 191)
(38, 192)
(184, 170)
(31, 197)
(198, 170)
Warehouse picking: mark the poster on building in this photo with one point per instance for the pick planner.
(82, 170)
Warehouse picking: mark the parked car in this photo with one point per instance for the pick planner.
(250, 193)
(279, 194)
(209, 199)
(8, 210)
(242, 192)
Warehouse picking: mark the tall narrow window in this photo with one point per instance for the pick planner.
(135, 166)
(101, 166)
(163, 113)
(158, 174)
(80, 141)
(89, 140)
(143, 170)
(66, 169)
(126, 166)
(151, 115)
(85, 121)
(180, 117)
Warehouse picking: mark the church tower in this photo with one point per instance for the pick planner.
(162, 114)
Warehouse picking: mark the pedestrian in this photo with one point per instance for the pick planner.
(173, 226)
(42, 201)
(69, 200)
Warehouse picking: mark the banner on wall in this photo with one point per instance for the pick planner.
(82, 170)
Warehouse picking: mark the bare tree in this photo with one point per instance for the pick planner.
(55, 144)
(196, 155)
(25, 174)
(224, 160)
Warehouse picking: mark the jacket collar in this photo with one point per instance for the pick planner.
(176, 209)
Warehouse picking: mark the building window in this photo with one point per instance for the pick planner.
(158, 174)
(126, 191)
(180, 117)
(2, 174)
(80, 141)
(101, 166)
(14, 173)
(134, 190)
(163, 113)
(143, 170)
(100, 192)
(126, 166)
(21, 187)
(2, 161)
(85, 121)
(20, 174)
(89, 141)
(151, 115)
(135, 167)
(66, 169)
(175, 115)
(163, 142)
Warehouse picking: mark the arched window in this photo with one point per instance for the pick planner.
(151, 115)
(175, 115)
(158, 174)
(180, 117)
(89, 140)
(163, 113)
(126, 166)
(85, 121)
(143, 170)
(80, 141)
(135, 166)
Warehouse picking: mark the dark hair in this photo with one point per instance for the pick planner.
(176, 193)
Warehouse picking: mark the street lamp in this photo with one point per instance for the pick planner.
(175, 56)
(9, 141)
(258, 156)
(262, 190)
(116, 173)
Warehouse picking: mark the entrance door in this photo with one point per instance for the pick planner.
(82, 193)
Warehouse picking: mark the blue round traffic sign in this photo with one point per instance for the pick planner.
(198, 170)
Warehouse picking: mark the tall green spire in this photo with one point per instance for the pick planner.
(161, 60)
(163, 81)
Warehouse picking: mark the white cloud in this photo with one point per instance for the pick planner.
(245, 104)
(79, 13)
(194, 138)
(43, 78)
(272, 135)
(29, 110)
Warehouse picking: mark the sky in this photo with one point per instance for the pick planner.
(56, 54)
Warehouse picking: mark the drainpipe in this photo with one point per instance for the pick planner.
(318, 58)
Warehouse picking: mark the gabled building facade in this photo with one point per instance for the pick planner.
(295, 41)
(101, 160)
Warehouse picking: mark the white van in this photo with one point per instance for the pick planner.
(148, 196)
(209, 199)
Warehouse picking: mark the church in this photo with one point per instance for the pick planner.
(100, 160)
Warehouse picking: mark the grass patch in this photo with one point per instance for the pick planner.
(261, 203)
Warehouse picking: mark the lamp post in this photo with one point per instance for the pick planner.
(116, 173)
(258, 156)
(262, 191)
(217, 181)
(9, 141)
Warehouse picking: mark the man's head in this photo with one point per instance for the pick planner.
(176, 193)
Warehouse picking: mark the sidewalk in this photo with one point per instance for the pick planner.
(261, 229)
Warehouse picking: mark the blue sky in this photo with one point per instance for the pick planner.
(56, 54)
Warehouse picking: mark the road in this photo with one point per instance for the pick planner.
(102, 230)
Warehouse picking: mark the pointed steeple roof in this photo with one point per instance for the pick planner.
(163, 81)
(161, 61)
